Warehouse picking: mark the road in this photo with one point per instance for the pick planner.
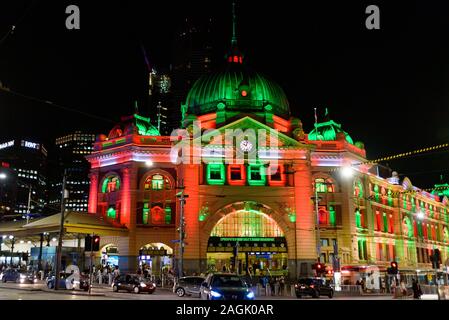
(12, 291)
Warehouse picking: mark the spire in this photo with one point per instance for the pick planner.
(234, 26)
(234, 55)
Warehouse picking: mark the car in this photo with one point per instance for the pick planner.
(82, 284)
(225, 286)
(188, 286)
(11, 275)
(314, 287)
(133, 283)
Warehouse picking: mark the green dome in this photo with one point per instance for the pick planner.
(239, 90)
(327, 131)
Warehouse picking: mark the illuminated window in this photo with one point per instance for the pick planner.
(157, 182)
(245, 223)
(332, 216)
(110, 184)
(236, 172)
(385, 220)
(323, 215)
(145, 213)
(215, 174)
(112, 213)
(324, 185)
(256, 175)
(358, 189)
(157, 215)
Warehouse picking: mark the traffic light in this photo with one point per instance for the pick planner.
(319, 268)
(96, 243)
(92, 243)
(393, 268)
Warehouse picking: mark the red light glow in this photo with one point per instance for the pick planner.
(244, 93)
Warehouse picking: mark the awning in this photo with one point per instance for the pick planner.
(247, 244)
(74, 222)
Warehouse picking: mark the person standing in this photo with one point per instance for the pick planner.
(116, 272)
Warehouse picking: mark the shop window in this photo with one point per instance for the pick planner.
(110, 184)
(215, 174)
(256, 175)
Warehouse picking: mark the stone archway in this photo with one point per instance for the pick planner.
(247, 236)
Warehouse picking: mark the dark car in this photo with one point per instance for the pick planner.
(225, 286)
(188, 286)
(82, 284)
(314, 287)
(133, 283)
(11, 275)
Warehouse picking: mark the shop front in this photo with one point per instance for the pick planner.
(156, 259)
(109, 256)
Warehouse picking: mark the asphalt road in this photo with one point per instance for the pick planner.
(13, 291)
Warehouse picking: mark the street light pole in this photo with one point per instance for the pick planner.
(182, 200)
(318, 246)
(61, 231)
(29, 204)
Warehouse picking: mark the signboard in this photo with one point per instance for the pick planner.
(247, 244)
(28, 144)
(153, 252)
(6, 144)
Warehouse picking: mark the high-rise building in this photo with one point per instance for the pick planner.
(70, 152)
(192, 52)
(23, 178)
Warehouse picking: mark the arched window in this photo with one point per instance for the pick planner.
(358, 189)
(157, 182)
(407, 228)
(245, 223)
(110, 184)
(324, 185)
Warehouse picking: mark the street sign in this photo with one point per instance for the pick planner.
(175, 240)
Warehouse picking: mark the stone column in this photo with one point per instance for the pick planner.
(305, 251)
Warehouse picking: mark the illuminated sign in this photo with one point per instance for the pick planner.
(28, 144)
(6, 144)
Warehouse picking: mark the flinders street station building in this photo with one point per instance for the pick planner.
(242, 186)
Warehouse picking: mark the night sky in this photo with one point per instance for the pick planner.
(389, 88)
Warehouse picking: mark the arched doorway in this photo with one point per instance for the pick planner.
(156, 259)
(109, 255)
(247, 241)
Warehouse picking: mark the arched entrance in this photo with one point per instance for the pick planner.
(247, 241)
(156, 259)
(109, 255)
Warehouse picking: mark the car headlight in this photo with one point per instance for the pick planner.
(215, 294)
(143, 285)
(35, 280)
(250, 295)
(22, 276)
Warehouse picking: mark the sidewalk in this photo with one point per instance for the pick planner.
(43, 288)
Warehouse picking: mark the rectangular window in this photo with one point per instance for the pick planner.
(276, 176)
(112, 213)
(324, 242)
(378, 221)
(145, 213)
(215, 174)
(256, 175)
(236, 173)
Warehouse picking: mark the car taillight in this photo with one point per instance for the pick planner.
(312, 286)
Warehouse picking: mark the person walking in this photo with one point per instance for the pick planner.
(416, 289)
(116, 272)
(403, 289)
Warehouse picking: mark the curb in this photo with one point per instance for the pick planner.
(22, 289)
(76, 293)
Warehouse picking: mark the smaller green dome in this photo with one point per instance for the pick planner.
(327, 131)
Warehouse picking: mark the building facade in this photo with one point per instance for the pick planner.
(262, 193)
(69, 154)
(25, 177)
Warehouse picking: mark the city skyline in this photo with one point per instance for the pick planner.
(383, 88)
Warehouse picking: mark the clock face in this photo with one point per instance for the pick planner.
(246, 146)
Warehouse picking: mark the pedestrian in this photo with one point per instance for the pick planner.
(100, 277)
(416, 289)
(116, 272)
(224, 268)
(109, 277)
(403, 289)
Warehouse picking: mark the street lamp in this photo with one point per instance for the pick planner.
(3, 176)
(148, 163)
(347, 172)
